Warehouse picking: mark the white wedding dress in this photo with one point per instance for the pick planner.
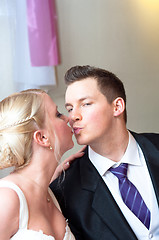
(24, 233)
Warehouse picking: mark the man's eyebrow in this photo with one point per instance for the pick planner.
(79, 100)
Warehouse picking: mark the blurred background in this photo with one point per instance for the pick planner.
(121, 36)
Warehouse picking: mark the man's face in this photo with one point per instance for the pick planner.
(90, 114)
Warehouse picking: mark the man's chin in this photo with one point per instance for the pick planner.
(81, 142)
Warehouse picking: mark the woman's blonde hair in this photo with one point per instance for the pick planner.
(20, 115)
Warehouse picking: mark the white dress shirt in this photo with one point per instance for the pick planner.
(138, 174)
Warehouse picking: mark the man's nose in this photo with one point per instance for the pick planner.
(75, 116)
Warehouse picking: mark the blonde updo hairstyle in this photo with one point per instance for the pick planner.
(21, 114)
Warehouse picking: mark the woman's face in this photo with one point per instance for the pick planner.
(56, 123)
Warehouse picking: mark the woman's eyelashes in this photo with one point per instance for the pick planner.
(59, 115)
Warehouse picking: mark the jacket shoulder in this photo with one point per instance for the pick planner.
(152, 137)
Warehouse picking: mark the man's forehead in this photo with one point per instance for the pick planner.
(83, 87)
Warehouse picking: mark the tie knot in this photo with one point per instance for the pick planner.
(120, 171)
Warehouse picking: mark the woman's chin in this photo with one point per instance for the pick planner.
(68, 148)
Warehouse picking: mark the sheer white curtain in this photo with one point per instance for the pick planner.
(24, 74)
(16, 69)
(6, 69)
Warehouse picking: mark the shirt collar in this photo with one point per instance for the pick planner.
(131, 156)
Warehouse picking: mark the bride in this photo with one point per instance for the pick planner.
(33, 137)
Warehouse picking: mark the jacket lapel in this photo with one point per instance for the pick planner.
(103, 202)
(151, 154)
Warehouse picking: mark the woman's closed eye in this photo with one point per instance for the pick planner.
(59, 115)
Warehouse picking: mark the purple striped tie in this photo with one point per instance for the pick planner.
(130, 195)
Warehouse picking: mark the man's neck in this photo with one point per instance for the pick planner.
(115, 147)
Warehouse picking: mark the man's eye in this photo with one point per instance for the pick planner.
(69, 110)
(86, 104)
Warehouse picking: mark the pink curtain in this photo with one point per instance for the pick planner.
(42, 34)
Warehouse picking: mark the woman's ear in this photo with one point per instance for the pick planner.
(119, 106)
(41, 139)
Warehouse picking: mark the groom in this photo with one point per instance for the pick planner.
(98, 204)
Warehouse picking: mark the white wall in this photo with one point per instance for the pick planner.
(121, 36)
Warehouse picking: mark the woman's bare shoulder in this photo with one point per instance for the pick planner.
(9, 212)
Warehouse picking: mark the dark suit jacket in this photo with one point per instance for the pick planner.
(88, 204)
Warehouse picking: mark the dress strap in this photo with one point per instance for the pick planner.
(23, 216)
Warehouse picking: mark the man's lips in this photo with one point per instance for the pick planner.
(77, 130)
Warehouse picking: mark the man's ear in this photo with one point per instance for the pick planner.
(119, 106)
(41, 139)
